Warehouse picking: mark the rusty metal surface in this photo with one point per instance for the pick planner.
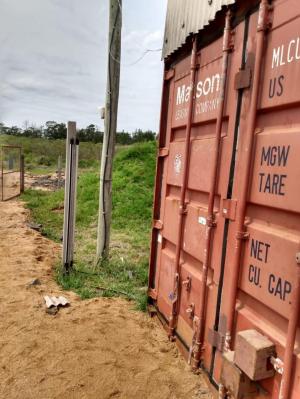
(187, 17)
(253, 269)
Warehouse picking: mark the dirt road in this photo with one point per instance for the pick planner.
(98, 348)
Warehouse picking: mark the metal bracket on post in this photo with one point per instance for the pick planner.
(217, 339)
(72, 149)
(229, 208)
(243, 79)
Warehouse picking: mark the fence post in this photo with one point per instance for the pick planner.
(72, 147)
(59, 166)
(10, 162)
(22, 173)
(2, 180)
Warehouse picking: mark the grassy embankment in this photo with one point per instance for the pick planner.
(126, 271)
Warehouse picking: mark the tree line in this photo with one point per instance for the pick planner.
(55, 131)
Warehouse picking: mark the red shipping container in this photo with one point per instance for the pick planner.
(225, 252)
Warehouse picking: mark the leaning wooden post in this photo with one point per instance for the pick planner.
(72, 149)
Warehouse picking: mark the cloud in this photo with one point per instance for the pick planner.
(54, 55)
(153, 39)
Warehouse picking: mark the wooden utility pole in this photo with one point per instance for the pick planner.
(110, 126)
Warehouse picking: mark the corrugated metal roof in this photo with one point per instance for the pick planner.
(185, 17)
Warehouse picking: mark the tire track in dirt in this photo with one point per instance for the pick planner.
(99, 348)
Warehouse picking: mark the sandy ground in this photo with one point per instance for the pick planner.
(98, 348)
(11, 185)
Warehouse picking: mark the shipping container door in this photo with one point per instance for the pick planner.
(271, 238)
(176, 98)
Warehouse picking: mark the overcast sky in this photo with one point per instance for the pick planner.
(53, 61)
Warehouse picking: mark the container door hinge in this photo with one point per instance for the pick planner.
(242, 235)
(152, 293)
(243, 79)
(182, 210)
(229, 208)
(169, 74)
(157, 224)
(152, 311)
(211, 221)
(173, 296)
(190, 311)
(187, 283)
(163, 152)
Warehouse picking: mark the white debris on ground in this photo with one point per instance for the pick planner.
(55, 301)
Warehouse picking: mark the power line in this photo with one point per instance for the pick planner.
(138, 59)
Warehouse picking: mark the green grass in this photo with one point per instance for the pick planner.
(41, 155)
(125, 272)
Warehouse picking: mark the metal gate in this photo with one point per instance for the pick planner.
(226, 230)
(11, 179)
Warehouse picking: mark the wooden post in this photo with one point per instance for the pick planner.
(2, 176)
(72, 146)
(59, 167)
(22, 173)
(10, 162)
(110, 126)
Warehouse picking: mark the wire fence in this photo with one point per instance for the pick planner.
(12, 172)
